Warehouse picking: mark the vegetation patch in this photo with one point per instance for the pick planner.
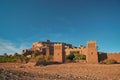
(108, 61)
(13, 58)
(75, 57)
(43, 60)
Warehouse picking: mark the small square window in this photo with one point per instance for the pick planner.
(91, 53)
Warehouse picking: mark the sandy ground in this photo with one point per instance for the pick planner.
(68, 71)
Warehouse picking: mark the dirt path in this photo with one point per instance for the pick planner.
(69, 71)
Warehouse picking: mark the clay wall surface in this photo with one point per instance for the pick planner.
(92, 55)
(47, 51)
(114, 56)
(81, 50)
(59, 54)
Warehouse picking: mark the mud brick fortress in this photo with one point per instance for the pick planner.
(60, 50)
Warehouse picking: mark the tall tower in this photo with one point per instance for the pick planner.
(59, 53)
(92, 55)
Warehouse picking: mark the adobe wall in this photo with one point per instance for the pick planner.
(114, 56)
(47, 51)
(92, 54)
(81, 50)
(59, 53)
(90, 51)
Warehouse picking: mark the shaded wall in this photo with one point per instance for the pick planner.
(103, 56)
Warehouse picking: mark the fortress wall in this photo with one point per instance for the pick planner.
(80, 50)
(114, 56)
(67, 51)
(84, 51)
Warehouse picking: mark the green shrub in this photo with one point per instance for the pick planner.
(70, 56)
(5, 59)
(13, 58)
(26, 59)
(40, 60)
(79, 56)
(43, 60)
(49, 58)
(76, 56)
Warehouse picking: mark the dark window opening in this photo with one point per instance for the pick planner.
(91, 53)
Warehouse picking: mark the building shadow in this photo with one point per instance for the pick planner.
(102, 56)
(46, 63)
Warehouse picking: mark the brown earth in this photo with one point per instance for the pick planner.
(68, 71)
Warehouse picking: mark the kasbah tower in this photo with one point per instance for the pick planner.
(92, 55)
(60, 50)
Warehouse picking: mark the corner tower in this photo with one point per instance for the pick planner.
(92, 55)
(59, 53)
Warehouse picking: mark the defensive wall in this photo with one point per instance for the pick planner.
(115, 56)
(60, 50)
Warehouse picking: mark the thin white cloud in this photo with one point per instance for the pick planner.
(8, 47)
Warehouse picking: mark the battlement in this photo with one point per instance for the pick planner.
(91, 42)
(73, 48)
(58, 44)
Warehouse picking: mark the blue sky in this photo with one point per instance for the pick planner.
(23, 22)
